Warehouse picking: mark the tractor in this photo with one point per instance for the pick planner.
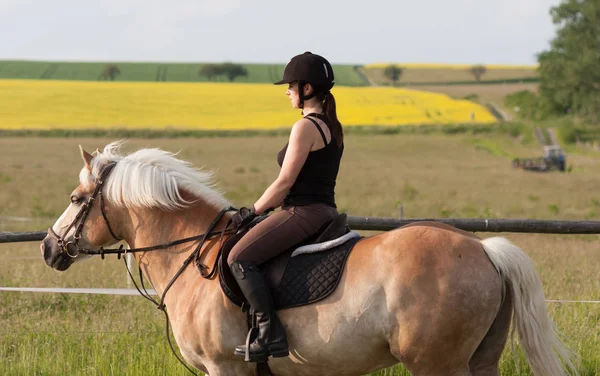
(553, 159)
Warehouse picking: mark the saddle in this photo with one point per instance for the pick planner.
(300, 279)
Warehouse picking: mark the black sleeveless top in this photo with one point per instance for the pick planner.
(316, 181)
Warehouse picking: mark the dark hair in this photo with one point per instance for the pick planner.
(330, 111)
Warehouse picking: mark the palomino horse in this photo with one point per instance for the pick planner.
(435, 298)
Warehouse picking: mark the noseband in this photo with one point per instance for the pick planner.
(66, 246)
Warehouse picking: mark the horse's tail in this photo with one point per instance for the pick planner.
(545, 351)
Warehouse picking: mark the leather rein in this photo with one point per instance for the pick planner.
(72, 249)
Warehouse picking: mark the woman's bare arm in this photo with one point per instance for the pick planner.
(301, 141)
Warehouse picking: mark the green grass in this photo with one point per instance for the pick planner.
(432, 174)
(46, 342)
(345, 75)
(511, 128)
(160, 133)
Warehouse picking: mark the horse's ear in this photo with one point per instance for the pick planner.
(87, 158)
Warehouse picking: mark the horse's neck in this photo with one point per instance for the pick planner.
(153, 227)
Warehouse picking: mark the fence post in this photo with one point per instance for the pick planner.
(129, 261)
(400, 211)
(2, 223)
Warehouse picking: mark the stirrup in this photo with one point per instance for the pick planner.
(248, 357)
(250, 338)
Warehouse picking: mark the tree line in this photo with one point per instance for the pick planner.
(211, 71)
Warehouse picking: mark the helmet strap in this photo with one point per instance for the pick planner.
(301, 95)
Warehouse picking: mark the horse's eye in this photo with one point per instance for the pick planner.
(75, 200)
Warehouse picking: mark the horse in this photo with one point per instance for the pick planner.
(437, 299)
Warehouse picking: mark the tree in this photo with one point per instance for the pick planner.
(477, 71)
(570, 70)
(210, 71)
(393, 73)
(526, 104)
(110, 72)
(231, 70)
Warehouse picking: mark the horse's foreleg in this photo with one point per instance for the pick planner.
(231, 369)
(442, 371)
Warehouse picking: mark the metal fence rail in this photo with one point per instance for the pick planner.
(538, 226)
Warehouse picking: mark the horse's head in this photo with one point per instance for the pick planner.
(85, 223)
(117, 196)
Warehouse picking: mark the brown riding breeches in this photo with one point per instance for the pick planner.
(280, 231)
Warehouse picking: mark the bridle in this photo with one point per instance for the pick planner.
(65, 244)
(68, 246)
(72, 249)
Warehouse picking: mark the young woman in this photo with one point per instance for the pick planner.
(304, 189)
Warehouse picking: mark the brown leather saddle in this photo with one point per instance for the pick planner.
(298, 280)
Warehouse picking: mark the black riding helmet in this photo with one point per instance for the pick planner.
(308, 68)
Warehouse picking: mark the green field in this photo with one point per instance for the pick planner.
(430, 175)
(345, 75)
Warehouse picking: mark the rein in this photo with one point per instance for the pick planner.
(71, 248)
(193, 256)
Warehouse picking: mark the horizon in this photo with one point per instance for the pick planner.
(424, 64)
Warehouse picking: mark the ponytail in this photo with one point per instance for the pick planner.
(330, 111)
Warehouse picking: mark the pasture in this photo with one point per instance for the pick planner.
(433, 175)
(39, 104)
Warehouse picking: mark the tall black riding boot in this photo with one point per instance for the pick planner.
(270, 339)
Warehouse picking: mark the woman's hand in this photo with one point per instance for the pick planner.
(243, 217)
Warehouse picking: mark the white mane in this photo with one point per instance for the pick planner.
(151, 178)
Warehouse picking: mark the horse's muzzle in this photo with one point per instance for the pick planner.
(53, 256)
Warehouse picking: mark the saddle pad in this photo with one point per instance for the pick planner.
(311, 277)
(320, 247)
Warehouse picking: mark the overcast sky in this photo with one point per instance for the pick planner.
(350, 31)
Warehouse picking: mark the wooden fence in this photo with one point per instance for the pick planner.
(385, 224)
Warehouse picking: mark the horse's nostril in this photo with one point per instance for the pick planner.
(46, 248)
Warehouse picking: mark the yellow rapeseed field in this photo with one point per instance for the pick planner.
(30, 104)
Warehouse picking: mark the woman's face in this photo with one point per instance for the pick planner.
(292, 93)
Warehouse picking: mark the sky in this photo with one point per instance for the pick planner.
(272, 31)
